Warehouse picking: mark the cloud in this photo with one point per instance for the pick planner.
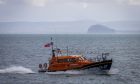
(134, 2)
(24, 3)
(128, 2)
(65, 10)
(2, 2)
(85, 5)
(38, 3)
(122, 1)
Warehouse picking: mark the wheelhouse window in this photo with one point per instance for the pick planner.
(66, 60)
(81, 59)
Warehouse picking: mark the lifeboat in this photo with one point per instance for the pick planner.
(74, 62)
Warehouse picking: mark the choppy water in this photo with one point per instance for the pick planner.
(21, 54)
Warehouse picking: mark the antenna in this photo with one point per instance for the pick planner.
(67, 50)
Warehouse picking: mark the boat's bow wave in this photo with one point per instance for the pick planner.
(65, 72)
(83, 72)
(16, 69)
(113, 71)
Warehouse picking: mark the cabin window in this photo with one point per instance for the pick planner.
(66, 60)
(72, 60)
(60, 60)
(81, 58)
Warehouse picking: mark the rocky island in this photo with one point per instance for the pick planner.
(100, 29)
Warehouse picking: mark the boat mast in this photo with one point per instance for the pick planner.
(53, 51)
(51, 43)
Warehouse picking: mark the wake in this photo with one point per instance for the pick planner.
(16, 69)
(23, 70)
(112, 71)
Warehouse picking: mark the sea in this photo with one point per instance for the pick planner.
(20, 55)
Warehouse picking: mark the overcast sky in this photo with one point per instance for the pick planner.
(69, 10)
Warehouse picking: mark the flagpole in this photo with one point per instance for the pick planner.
(53, 54)
(51, 43)
(67, 51)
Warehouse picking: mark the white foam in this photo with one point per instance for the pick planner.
(65, 72)
(81, 72)
(16, 69)
(113, 71)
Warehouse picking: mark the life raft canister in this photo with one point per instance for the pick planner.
(45, 65)
(40, 65)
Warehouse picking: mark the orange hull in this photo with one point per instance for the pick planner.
(63, 63)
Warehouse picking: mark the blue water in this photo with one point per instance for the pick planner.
(21, 54)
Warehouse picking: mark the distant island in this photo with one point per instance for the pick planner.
(100, 29)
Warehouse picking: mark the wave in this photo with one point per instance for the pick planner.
(113, 71)
(16, 69)
(86, 72)
(23, 70)
(65, 72)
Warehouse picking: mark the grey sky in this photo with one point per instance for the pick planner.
(69, 10)
(65, 10)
